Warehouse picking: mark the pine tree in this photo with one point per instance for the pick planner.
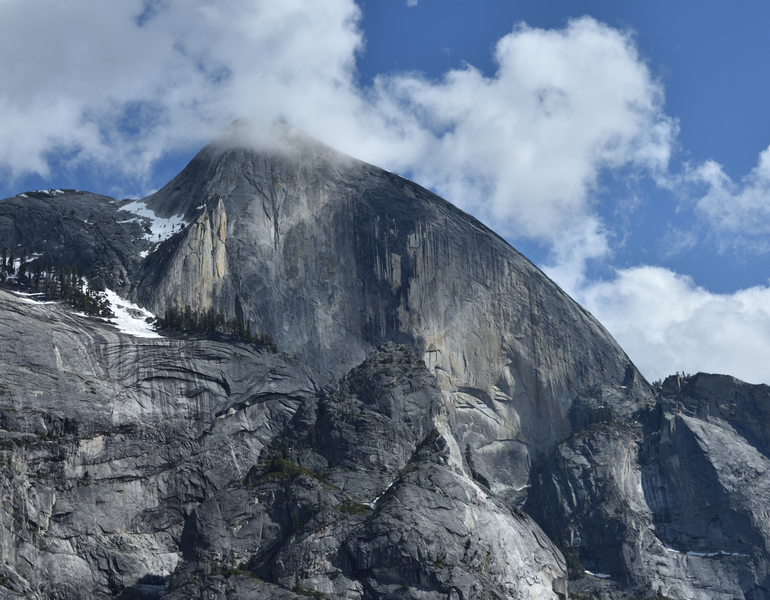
(469, 459)
(20, 274)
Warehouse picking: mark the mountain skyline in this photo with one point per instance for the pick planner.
(598, 140)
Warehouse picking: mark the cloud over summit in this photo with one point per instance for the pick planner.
(118, 86)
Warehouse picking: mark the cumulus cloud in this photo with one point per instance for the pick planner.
(120, 84)
(666, 323)
(524, 148)
(739, 213)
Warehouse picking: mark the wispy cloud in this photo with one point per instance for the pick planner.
(738, 213)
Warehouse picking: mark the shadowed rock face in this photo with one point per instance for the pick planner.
(675, 495)
(441, 381)
(79, 229)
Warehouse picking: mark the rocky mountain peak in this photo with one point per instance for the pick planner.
(332, 257)
(245, 147)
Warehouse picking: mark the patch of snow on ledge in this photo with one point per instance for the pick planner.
(161, 228)
(29, 298)
(599, 575)
(704, 554)
(129, 323)
(377, 499)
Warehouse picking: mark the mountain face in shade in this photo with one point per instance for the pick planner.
(442, 420)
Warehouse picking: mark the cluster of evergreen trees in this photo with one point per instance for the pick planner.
(208, 320)
(55, 281)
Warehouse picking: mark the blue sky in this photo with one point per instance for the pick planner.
(705, 54)
(622, 146)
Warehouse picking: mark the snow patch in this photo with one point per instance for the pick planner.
(373, 502)
(130, 318)
(161, 229)
(599, 575)
(704, 554)
(29, 297)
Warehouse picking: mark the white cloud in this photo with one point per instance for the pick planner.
(739, 214)
(525, 147)
(121, 84)
(96, 82)
(571, 253)
(666, 324)
(411, 3)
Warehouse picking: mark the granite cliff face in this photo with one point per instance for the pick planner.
(452, 425)
(333, 257)
(172, 466)
(193, 267)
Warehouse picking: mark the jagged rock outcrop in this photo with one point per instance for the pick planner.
(672, 501)
(395, 512)
(125, 461)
